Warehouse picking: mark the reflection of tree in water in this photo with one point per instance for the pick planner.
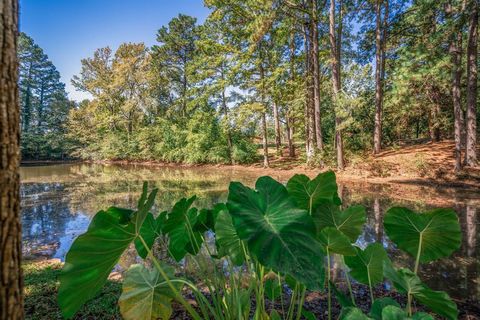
(45, 213)
(459, 275)
(50, 204)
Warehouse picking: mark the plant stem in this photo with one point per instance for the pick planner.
(347, 278)
(417, 260)
(370, 286)
(180, 298)
(328, 285)
(415, 270)
(300, 304)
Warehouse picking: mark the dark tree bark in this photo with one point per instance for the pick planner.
(335, 43)
(316, 75)
(11, 282)
(471, 150)
(456, 60)
(309, 121)
(266, 162)
(229, 135)
(290, 121)
(289, 133)
(380, 43)
(278, 139)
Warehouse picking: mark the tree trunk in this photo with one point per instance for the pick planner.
(471, 151)
(456, 60)
(290, 120)
(266, 163)
(309, 134)
(377, 135)
(276, 119)
(335, 57)
(316, 76)
(289, 133)
(11, 282)
(227, 123)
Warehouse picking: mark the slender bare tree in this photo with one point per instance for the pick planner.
(472, 50)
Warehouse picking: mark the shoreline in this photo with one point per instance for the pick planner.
(347, 175)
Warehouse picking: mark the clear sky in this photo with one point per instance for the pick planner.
(69, 30)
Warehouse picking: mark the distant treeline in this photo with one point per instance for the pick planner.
(332, 77)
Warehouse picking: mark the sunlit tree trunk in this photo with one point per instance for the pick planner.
(316, 75)
(266, 163)
(377, 136)
(335, 42)
(289, 134)
(471, 152)
(290, 121)
(227, 124)
(11, 283)
(276, 119)
(309, 134)
(456, 60)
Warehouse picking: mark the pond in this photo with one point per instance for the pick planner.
(58, 202)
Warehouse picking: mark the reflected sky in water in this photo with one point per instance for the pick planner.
(59, 201)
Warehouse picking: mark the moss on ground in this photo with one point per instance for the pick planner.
(41, 285)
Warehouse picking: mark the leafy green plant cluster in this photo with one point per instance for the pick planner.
(250, 249)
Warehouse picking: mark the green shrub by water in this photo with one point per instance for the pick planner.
(265, 239)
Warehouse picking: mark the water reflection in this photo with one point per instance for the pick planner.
(59, 201)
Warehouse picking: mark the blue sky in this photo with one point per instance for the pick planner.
(69, 30)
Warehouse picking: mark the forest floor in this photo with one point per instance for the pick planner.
(429, 164)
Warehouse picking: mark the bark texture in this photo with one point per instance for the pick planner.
(471, 151)
(379, 55)
(316, 75)
(11, 282)
(456, 61)
(335, 43)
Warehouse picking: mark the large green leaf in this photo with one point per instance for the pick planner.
(349, 221)
(150, 231)
(408, 282)
(146, 295)
(278, 234)
(352, 313)
(227, 238)
(367, 266)
(393, 312)
(437, 232)
(93, 256)
(308, 194)
(179, 227)
(380, 304)
(336, 242)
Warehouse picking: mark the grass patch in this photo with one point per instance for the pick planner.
(41, 285)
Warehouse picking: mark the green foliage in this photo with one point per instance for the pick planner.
(309, 194)
(146, 294)
(367, 265)
(227, 238)
(268, 221)
(108, 236)
(265, 239)
(349, 221)
(427, 236)
(406, 281)
(335, 241)
(44, 104)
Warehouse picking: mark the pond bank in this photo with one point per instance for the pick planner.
(427, 164)
(41, 285)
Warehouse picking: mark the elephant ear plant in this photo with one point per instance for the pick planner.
(271, 242)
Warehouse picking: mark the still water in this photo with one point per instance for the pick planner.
(58, 202)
